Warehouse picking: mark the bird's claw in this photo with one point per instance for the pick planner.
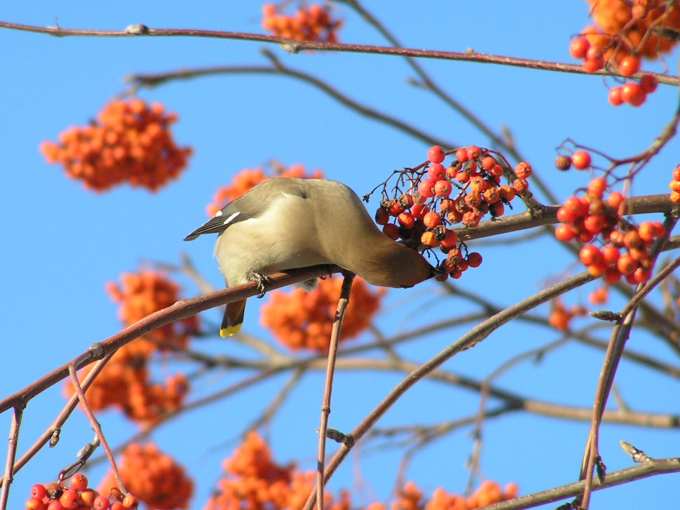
(261, 281)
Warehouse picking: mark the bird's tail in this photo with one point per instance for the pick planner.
(233, 318)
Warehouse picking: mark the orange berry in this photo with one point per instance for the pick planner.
(429, 239)
(581, 159)
(596, 187)
(432, 219)
(578, 47)
(590, 255)
(629, 65)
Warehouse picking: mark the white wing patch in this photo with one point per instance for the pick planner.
(218, 214)
(230, 218)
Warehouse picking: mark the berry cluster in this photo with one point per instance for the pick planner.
(153, 476)
(560, 316)
(125, 382)
(129, 142)
(312, 23)
(143, 293)
(632, 92)
(410, 497)
(439, 195)
(674, 185)
(625, 27)
(253, 481)
(303, 319)
(249, 178)
(626, 247)
(76, 495)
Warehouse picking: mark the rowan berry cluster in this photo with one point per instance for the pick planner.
(154, 477)
(410, 497)
(125, 382)
(310, 23)
(250, 177)
(674, 185)
(560, 316)
(624, 32)
(303, 319)
(253, 481)
(626, 247)
(145, 292)
(439, 195)
(130, 141)
(76, 495)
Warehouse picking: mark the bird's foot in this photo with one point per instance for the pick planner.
(261, 280)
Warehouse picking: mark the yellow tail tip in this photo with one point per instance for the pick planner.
(230, 331)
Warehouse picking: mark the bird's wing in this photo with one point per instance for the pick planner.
(250, 205)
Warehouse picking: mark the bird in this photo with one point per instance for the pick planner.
(289, 223)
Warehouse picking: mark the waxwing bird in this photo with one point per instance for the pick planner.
(286, 223)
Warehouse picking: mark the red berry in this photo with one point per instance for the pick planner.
(425, 189)
(431, 219)
(581, 160)
(615, 200)
(450, 240)
(38, 491)
(442, 188)
(615, 98)
(488, 163)
(577, 206)
(34, 504)
(69, 498)
(593, 64)
(395, 208)
(612, 275)
(436, 172)
(633, 94)
(590, 255)
(626, 264)
(55, 505)
(474, 259)
(640, 275)
(565, 233)
(597, 186)
(648, 83)
(563, 163)
(629, 65)
(610, 254)
(435, 154)
(523, 170)
(473, 151)
(578, 47)
(100, 503)
(381, 216)
(406, 220)
(594, 223)
(79, 482)
(462, 155)
(419, 210)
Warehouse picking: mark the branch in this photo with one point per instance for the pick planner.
(139, 30)
(180, 310)
(347, 280)
(652, 468)
(13, 442)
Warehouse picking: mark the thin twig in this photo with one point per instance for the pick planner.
(13, 442)
(96, 426)
(348, 278)
(139, 30)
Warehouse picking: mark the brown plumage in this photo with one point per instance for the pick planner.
(286, 223)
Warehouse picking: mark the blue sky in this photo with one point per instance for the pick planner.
(63, 243)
